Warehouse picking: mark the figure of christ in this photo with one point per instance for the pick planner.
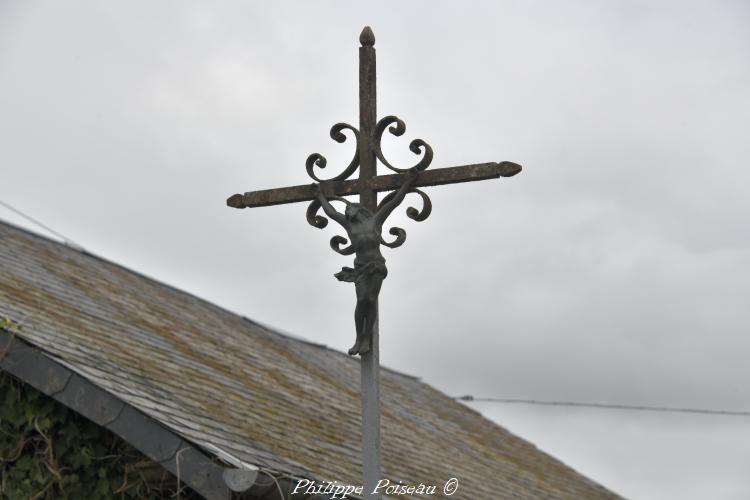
(364, 229)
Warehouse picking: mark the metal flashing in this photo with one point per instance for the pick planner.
(184, 460)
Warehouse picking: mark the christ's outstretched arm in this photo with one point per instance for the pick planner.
(328, 208)
(388, 207)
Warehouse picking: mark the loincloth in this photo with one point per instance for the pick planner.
(362, 271)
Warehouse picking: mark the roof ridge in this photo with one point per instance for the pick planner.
(263, 326)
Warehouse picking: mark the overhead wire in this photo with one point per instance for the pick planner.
(470, 398)
(64, 238)
(576, 404)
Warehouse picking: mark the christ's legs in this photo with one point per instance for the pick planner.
(364, 317)
(367, 300)
(359, 322)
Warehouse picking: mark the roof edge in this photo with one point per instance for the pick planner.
(185, 460)
(180, 457)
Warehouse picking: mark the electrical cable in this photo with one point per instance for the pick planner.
(469, 398)
(65, 239)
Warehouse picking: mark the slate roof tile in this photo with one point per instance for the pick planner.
(218, 379)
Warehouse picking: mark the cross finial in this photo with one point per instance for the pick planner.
(367, 37)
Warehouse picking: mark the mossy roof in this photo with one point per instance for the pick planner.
(220, 380)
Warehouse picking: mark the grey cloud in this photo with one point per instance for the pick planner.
(613, 269)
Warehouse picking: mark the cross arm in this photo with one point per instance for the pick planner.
(431, 177)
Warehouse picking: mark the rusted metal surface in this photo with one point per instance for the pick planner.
(367, 116)
(433, 177)
(364, 221)
(320, 161)
(370, 360)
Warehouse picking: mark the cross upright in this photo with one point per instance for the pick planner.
(363, 223)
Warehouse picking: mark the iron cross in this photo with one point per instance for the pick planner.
(363, 222)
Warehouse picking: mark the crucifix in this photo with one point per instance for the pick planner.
(363, 223)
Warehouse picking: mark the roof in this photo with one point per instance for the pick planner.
(222, 382)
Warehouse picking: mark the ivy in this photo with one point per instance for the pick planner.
(9, 324)
(49, 452)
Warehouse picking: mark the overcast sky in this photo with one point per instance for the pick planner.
(614, 269)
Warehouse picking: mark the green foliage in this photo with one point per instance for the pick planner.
(49, 452)
(8, 324)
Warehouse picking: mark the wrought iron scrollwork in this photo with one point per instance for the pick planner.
(313, 218)
(320, 222)
(420, 215)
(411, 212)
(318, 160)
(400, 235)
(336, 243)
(398, 127)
